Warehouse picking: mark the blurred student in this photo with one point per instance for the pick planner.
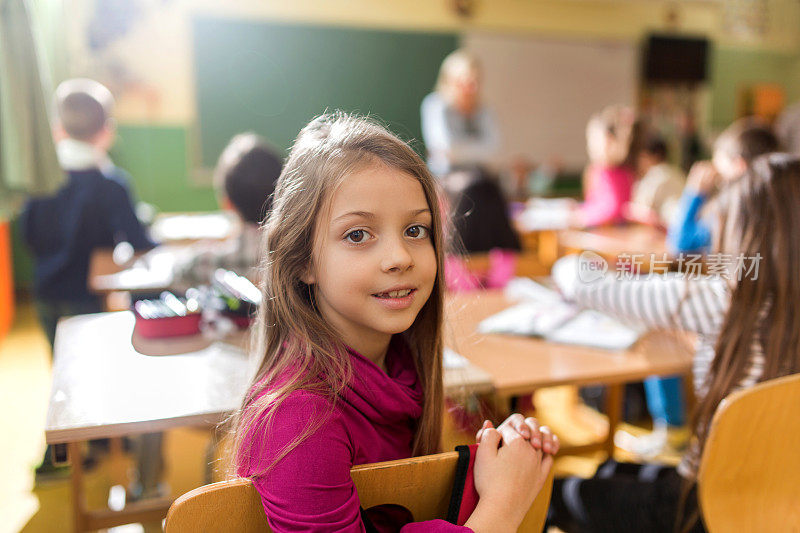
(656, 194)
(481, 225)
(734, 151)
(459, 131)
(612, 141)
(748, 331)
(93, 210)
(244, 181)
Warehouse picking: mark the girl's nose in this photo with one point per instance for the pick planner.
(397, 257)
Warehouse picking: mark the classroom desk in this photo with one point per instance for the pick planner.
(520, 365)
(152, 271)
(612, 241)
(608, 241)
(103, 388)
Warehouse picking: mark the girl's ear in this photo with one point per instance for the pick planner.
(308, 276)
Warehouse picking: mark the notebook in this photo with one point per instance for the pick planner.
(543, 313)
(594, 329)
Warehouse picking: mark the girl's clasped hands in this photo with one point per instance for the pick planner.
(511, 466)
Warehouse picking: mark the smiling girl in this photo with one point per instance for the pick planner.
(350, 340)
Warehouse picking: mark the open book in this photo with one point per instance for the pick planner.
(543, 313)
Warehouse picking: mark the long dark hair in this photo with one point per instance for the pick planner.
(762, 221)
(761, 224)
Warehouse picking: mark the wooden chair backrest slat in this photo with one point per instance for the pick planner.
(749, 477)
(420, 484)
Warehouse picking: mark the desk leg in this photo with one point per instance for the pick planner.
(84, 519)
(614, 396)
(116, 458)
(211, 452)
(688, 391)
(79, 514)
(548, 249)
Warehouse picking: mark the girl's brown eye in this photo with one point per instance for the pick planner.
(417, 232)
(356, 235)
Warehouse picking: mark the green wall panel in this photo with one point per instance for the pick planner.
(734, 69)
(272, 78)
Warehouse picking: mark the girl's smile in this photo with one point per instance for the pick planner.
(400, 298)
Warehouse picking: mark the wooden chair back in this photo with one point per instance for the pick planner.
(749, 477)
(420, 484)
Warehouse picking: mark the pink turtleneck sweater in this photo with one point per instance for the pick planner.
(310, 489)
(608, 190)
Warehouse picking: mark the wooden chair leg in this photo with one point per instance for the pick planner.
(79, 509)
(116, 459)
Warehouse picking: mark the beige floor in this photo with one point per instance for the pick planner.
(24, 392)
(24, 389)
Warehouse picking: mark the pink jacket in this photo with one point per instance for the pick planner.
(310, 489)
(608, 190)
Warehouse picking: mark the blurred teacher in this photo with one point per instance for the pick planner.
(459, 132)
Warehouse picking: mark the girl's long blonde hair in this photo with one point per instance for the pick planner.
(295, 347)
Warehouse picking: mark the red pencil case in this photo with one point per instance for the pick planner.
(171, 326)
(242, 322)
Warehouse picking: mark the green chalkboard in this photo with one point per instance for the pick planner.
(272, 78)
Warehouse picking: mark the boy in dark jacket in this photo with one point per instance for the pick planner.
(92, 210)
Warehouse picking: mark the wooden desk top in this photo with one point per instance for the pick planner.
(102, 387)
(519, 365)
(615, 240)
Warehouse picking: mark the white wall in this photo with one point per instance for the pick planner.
(543, 91)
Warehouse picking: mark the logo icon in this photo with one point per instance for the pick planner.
(591, 267)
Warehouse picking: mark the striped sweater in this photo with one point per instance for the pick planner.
(697, 305)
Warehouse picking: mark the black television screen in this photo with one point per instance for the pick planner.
(675, 59)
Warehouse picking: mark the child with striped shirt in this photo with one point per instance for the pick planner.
(747, 331)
